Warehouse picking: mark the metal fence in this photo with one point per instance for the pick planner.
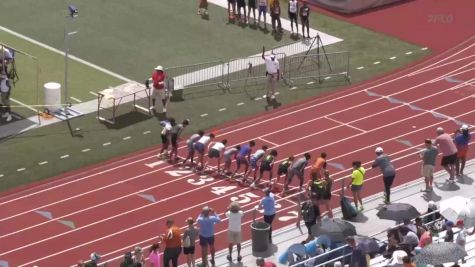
(318, 66)
(196, 75)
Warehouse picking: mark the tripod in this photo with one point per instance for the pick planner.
(318, 40)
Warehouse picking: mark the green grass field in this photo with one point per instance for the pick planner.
(130, 38)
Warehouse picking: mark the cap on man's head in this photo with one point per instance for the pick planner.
(205, 208)
(379, 150)
(159, 67)
(95, 257)
(440, 130)
(459, 222)
(464, 127)
(272, 56)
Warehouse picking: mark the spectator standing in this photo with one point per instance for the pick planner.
(272, 73)
(138, 257)
(449, 152)
(310, 213)
(305, 19)
(263, 263)
(319, 166)
(428, 156)
(293, 9)
(263, 12)
(216, 151)
(268, 204)
(387, 169)
(449, 232)
(255, 160)
(175, 134)
(159, 91)
(206, 221)
(241, 5)
(232, 9)
(251, 4)
(275, 16)
(129, 262)
(461, 239)
(409, 237)
(190, 144)
(357, 180)
(203, 8)
(201, 146)
(5, 88)
(228, 155)
(358, 258)
(244, 156)
(461, 140)
(297, 168)
(154, 256)
(189, 237)
(94, 260)
(327, 194)
(407, 262)
(420, 227)
(172, 240)
(234, 215)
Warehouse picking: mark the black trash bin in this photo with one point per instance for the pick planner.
(260, 236)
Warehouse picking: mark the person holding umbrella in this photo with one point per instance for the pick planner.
(387, 169)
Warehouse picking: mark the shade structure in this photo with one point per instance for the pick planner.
(440, 253)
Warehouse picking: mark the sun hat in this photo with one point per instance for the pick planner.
(95, 256)
(397, 257)
(379, 150)
(159, 67)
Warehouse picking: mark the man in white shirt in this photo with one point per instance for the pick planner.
(216, 151)
(272, 73)
(234, 215)
(5, 87)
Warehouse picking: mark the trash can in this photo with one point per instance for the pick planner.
(52, 96)
(260, 236)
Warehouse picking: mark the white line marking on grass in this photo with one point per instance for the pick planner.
(76, 99)
(312, 82)
(42, 163)
(126, 138)
(277, 93)
(86, 150)
(93, 93)
(21, 169)
(116, 75)
(204, 115)
(64, 156)
(107, 144)
(409, 53)
(222, 109)
(1, 175)
(257, 98)
(147, 132)
(21, 103)
(376, 62)
(293, 88)
(424, 48)
(328, 77)
(240, 104)
(360, 68)
(392, 58)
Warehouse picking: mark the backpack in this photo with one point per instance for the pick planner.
(317, 189)
(308, 212)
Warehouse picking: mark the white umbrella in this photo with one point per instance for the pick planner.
(468, 214)
(452, 207)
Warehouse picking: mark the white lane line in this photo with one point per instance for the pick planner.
(107, 144)
(204, 115)
(116, 75)
(64, 156)
(147, 132)
(440, 60)
(126, 138)
(392, 58)
(240, 104)
(360, 68)
(21, 169)
(86, 150)
(409, 53)
(376, 62)
(267, 141)
(93, 93)
(76, 99)
(346, 124)
(222, 109)
(42, 163)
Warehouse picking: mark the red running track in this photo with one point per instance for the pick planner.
(125, 203)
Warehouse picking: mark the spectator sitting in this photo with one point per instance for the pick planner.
(358, 258)
(409, 237)
(425, 239)
(449, 232)
(263, 263)
(128, 261)
(410, 225)
(138, 256)
(432, 207)
(396, 260)
(94, 260)
(421, 228)
(407, 262)
(393, 243)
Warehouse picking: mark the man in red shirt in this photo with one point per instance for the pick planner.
(263, 263)
(159, 90)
